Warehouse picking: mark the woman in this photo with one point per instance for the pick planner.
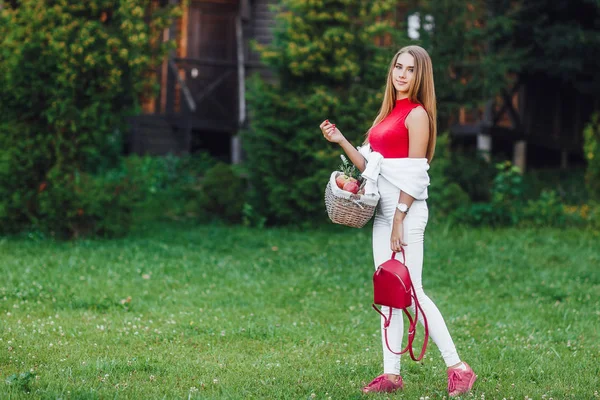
(405, 128)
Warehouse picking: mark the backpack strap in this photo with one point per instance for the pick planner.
(413, 327)
(386, 323)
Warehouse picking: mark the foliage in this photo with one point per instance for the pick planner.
(21, 382)
(70, 72)
(473, 173)
(591, 149)
(569, 183)
(446, 197)
(547, 210)
(508, 184)
(328, 66)
(561, 39)
(505, 206)
(24, 161)
(349, 169)
(168, 186)
(81, 204)
(223, 194)
(251, 218)
(509, 205)
(472, 56)
(584, 215)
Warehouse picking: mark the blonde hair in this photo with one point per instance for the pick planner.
(421, 91)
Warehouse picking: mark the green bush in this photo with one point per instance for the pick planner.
(591, 149)
(69, 76)
(446, 197)
(587, 215)
(24, 161)
(81, 204)
(569, 184)
(507, 187)
(169, 185)
(472, 173)
(506, 204)
(547, 210)
(223, 194)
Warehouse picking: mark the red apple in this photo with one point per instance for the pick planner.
(341, 180)
(351, 187)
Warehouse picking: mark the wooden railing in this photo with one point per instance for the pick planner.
(205, 90)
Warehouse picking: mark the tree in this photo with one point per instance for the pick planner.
(562, 41)
(472, 52)
(70, 73)
(330, 59)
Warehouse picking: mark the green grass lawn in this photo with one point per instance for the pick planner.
(213, 312)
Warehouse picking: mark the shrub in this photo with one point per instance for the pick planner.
(508, 185)
(569, 184)
(505, 206)
(547, 210)
(223, 194)
(168, 185)
(69, 77)
(24, 160)
(77, 205)
(446, 197)
(472, 173)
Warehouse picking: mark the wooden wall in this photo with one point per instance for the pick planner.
(259, 28)
(555, 114)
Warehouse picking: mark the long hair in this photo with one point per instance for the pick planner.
(421, 91)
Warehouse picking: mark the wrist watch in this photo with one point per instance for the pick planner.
(403, 208)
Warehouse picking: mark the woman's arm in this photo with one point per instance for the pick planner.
(353, 154)
(417, 123)
(334, 135)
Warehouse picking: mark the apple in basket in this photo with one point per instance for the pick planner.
(346, 180)
(342, 179)
(351, 186)
(347, 183)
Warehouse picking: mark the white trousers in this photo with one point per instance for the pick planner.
(414, 230)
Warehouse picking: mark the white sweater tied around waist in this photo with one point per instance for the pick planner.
(407, 174)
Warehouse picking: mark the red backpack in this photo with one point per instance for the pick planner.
(392, 287)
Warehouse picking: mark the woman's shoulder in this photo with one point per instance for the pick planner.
(417, 119)
(417, 113)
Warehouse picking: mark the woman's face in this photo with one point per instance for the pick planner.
(402, 74)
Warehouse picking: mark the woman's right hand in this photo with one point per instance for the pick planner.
(330, 132)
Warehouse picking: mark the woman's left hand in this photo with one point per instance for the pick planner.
(397, 238)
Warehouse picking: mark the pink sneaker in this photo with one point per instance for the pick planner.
(460, 381)
(383, 384)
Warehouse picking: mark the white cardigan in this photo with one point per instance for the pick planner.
(407, 174)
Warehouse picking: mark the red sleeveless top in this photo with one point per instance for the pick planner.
(390, 136)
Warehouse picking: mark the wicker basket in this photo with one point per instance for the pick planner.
(345, 208)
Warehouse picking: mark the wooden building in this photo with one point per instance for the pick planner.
(537, 119)
(201, 102)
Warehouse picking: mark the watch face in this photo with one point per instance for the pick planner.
(402, 207)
